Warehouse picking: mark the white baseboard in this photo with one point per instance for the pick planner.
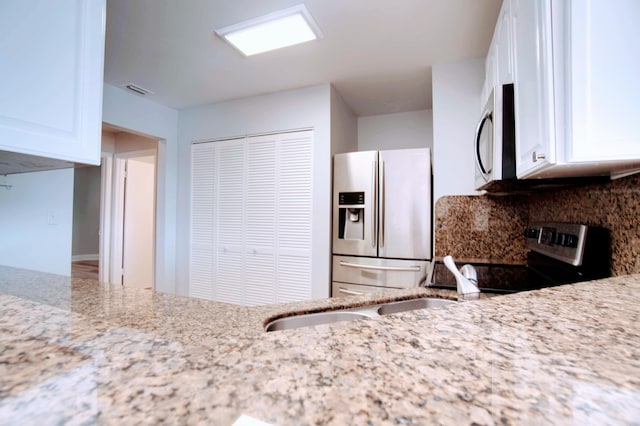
(82, 257)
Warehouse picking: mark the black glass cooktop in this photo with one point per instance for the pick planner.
(494, 278)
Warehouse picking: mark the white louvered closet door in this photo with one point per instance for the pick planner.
(261, 231)
(229, 229)
(294, 219)
(203, 184)
(278, 228)
(252, 236)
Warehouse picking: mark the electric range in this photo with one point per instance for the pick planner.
(559, 253)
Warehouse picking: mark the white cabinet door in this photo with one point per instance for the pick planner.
(52, 55)
(604, 76)
(490, 75)
(504, 45)
(499, 61)
(535, 126)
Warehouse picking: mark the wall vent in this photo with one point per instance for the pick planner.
(137, 89)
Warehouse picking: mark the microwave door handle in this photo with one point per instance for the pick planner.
(481, 168)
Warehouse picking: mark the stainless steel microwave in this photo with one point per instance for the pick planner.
(495, 139)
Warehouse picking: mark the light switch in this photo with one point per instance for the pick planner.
(51, 218)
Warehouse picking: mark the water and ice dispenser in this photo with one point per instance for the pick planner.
(351, 216)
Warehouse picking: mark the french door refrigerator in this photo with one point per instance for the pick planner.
(381, 220)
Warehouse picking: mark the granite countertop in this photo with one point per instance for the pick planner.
(79, 352)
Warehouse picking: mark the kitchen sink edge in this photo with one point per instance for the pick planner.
(329, 316)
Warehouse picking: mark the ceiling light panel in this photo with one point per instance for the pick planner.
(273, 31)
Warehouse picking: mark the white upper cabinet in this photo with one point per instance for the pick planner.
(603, 80)
(499, 62)
(51, 78)
(577, 90)
(503, 40)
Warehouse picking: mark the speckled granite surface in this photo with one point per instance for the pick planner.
(614, 205)
(488, 229)
(82, 353)
(481, 229)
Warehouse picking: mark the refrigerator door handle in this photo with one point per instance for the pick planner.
(374, 175)
(414, 268)
(350, 292)
(381, 203)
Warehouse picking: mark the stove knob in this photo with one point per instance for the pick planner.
(570, 241)
(531, 233)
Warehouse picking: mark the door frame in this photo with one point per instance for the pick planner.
(106, 185)
(117, 224)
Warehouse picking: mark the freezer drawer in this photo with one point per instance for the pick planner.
(343, 289)
(379, 272)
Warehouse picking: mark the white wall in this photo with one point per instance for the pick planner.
(86, 213)
(456, 110)
(128, 142)
(302, 108)
(36, 221)
(412, 129)
(140, 115)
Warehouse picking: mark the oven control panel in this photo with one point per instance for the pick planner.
(561, 241)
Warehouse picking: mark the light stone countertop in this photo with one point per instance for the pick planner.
(79, 352)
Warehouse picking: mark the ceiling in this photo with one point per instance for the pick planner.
(378, 54)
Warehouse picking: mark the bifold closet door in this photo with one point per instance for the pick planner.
(229, 229)
(295, 206)
(278, 226)
(251, 210)
(261, 220)
(203, 219)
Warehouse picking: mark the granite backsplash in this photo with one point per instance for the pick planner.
(489, 228)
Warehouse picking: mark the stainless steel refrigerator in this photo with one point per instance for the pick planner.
(381, 220)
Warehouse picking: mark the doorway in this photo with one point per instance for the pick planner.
(116, 239)
(85, 246)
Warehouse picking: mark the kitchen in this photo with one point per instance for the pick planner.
(329, 366)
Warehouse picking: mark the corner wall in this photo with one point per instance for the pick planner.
(344, 125)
